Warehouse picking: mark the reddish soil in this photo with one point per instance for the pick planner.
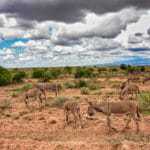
(23, 129)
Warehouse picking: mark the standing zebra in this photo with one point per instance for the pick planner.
(54, 87)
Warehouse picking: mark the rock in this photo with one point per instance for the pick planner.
(27, 117)
(53, 121)
(41, 118)
(15, 115)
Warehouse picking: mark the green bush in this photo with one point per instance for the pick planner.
(123, 66)
(131, 69)
(102, 69)
(26, 87)
(59, 101)
(5, 76)
(5, 104)
(18, 91)
(85, 91)
(144, 101)
(84, 73)
(70, 85)
(19, 76)
(81, 83)
(37, 73)
(56, 72)
(15, 94)
(142, 68)
(68, 70)
(93, 86)
(47, 76)
(114, 69)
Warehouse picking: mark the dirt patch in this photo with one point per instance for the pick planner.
(24, 129)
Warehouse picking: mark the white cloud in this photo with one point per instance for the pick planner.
(90, 42)
(109, 25)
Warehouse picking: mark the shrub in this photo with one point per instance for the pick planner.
(144, 101)
(102, 69)
(70, 85)
(15, 94)
(84, 72)
(68, 70)
(114, 69)
(96, 93)
(5, 104)
(85, 91)
(5, 77)
(59, 101)
(37, 73)
(17, 91)
(26, 87)
(142, 68)
(47, 76)
(81, 83)
(123, 66)
(18, 77)
(132, 69)
(93, 86)
(56, 72)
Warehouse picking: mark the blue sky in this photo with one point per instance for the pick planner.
(7, 43)
(97, 36)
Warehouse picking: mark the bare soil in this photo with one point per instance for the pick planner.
(36, 129)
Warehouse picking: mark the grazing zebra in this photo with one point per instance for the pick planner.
(54, 87)
(33, 93)
(74, 109)
(146, 80)
(129, 108)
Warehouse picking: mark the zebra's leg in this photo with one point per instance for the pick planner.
(45, 97)
(75, 119)
(66, 118)
(128, 122)
(109, 124)
(80, 118)
(40, 100)
(136, 123)
(26, 101)
(56, 91)
(44, 93)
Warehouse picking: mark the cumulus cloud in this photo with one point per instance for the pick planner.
(100, 44)
(106, 26)
(25, 24)
(148, 31)
(138, 34)
(65, 10)
(71, 32)
(135, 39)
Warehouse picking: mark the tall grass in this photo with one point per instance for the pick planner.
(144, 102)
(5, 104)
(16, 92)
(85, 91)
(57, 102)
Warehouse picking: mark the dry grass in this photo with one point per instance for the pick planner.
(43, 129)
